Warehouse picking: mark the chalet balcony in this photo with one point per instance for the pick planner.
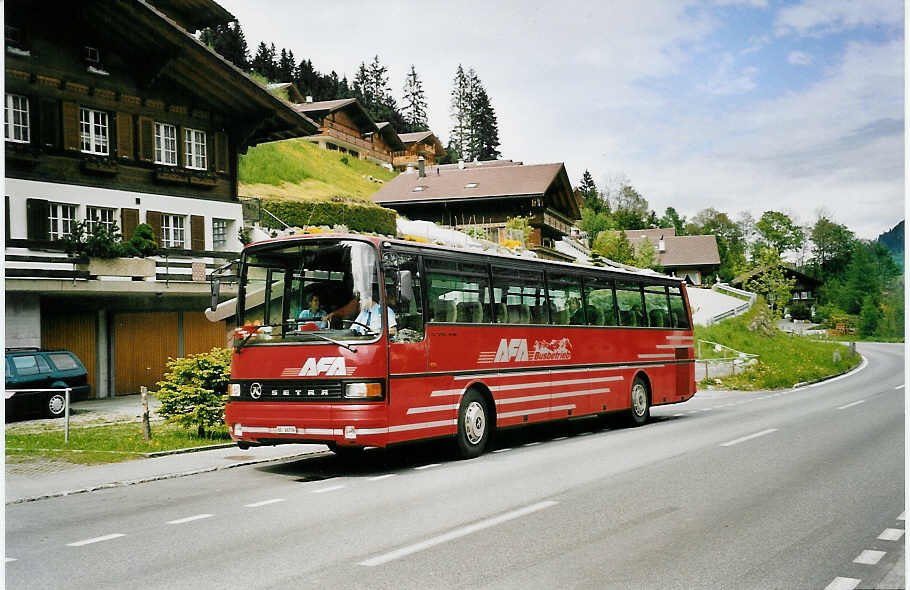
(402, 159)
(552, 221)
(352, 142)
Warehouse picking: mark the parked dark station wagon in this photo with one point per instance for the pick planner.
(31, 370)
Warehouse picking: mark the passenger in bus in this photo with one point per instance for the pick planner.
(313, 313)
(576, 314)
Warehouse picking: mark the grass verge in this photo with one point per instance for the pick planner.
(110, 443)
(784, 359)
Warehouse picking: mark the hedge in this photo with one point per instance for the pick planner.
(358, 216)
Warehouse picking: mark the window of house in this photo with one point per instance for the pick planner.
(99, 216)
(219, 233)
(94, 130)
(91, 54)
(165, 144)
(195, 149)
(62, 218)
(173, 231)
(16, 118)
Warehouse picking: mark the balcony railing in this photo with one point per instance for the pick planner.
(362, 146)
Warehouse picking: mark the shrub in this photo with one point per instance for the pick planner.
(142, 243)
(800, 311)
(357, 215)
(194, 391)
(99, 242)
(870, 315)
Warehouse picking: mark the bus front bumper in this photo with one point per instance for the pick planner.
(263, 423)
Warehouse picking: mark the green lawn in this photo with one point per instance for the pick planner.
(103, 444)
(784, 360)
(298, 169)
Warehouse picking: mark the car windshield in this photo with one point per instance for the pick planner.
(317, 291)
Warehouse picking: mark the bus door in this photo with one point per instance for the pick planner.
(407, 345)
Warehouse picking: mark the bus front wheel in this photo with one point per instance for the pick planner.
(641, 402)
(473, 425)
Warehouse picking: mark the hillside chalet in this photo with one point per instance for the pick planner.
(689, 257)
(485, 195)
(417, 144)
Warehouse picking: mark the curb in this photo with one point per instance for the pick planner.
(189, 450)
(118, 484)
(814, 382)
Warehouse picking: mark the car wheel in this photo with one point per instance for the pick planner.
(473, 425)
(56, 405)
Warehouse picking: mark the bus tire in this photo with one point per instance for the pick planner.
(473, 425)
(346, 453)
(640, 410)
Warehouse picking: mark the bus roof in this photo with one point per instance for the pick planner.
(613, 267)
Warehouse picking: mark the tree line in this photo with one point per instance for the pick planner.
(475, 133)
(862, 281)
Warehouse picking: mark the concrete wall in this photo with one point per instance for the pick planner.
(23, 320)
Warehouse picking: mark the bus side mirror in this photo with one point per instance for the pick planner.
(216, 290)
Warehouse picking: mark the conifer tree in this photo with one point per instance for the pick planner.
(460, 110)
(415, 103)
(262, 61)
(228, 41)
(484, 127)
(286, 66)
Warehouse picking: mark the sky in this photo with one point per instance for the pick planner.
(739, 105)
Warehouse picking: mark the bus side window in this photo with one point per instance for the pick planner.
(628, 299)
(678, 316)
(457, 291)
(599, 296)
(565, 299)
(517, 295)
(657, 307)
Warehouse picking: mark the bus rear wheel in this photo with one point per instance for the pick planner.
(473, 425)
(641, 402)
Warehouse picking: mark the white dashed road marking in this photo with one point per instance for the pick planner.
(901, 386)
(328, 489)
(891, 535)
(190, 518)
(531, 444)
(95, 540)
(843, 584)
(455, 534)
(856, 403)
(9, 559)
(749, 437)
(505, 449)
(901, 517)
(264, 503)
(869, 557)
(386, 476)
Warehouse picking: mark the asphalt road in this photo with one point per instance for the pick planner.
(729, 490)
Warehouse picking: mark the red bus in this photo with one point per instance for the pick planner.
(357, 341)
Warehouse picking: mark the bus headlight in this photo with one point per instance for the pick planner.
(363, 390)
(234, 389)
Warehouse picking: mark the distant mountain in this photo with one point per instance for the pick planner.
(893, 239)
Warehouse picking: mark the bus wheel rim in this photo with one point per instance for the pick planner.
(639, 399)
(475, 421)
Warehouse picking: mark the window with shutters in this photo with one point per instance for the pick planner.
(195, 149)
(100, 216)
(173, 231)
(165, 144)
(16, 119)
(62, 219)
(94, 131)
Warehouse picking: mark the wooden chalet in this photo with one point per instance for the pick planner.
(689, 257)
(417, 144)
(805, 288)
(485, 195)
(117, 115)
(345, 126)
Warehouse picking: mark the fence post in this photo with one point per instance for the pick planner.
(66, 418)
(146, 428)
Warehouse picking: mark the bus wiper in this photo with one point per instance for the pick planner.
(246, 338)
(332, 340)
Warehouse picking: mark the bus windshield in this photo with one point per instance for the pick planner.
(317, 291)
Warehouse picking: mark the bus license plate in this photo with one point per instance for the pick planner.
(287, 429)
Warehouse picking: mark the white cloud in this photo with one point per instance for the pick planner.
(818, 17)
(728, 80)
(799, 58)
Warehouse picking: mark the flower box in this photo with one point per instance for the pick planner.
(119, 267)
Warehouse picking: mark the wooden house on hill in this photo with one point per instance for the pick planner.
(486, 196)
(805, 288)
(419, 143)
(690, 257)
(117, 115)
(344, 125)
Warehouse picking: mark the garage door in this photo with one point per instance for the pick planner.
(74, 331)
(142, 344)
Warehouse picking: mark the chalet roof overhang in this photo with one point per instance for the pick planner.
(193, 15)
(409, 139)
(561, 195)
(389, 135)
(168, 54)
(351, 106)
(443, 201)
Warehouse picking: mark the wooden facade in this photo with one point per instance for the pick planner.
(416, 145)
(115, 113)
